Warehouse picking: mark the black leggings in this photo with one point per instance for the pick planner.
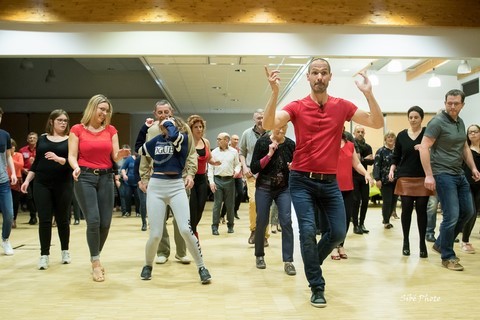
(421, 208)
(53, 199)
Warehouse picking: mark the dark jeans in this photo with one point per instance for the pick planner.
(198, 198)
(307, 194)
(95, 196)
(142, 199)
(53, 198)
(456, 199)
(360, 200)
(264, 198)
(128, 192)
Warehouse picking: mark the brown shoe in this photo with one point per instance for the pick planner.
(452, 264)
(265, 243)
(251, 239)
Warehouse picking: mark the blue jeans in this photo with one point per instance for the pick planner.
(307, 194)
(454, 194)
(6, 205)
(264, 198)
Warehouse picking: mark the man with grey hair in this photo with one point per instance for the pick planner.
(247, 145)
(221, 180)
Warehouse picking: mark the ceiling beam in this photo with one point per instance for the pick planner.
(376, 65)
(424, 67)
(462, 76)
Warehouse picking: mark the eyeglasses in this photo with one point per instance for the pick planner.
(473, 132)
(62, 120)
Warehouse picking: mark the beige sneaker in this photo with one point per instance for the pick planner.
(452, 264)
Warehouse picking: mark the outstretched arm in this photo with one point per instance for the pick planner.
(271, 118)
(374, 118)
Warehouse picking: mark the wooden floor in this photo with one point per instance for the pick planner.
(376, 282)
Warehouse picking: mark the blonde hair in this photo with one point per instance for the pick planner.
(389, 133)
(92, 107)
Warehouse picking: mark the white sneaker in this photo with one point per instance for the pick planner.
(161, 260)
(43, 263)
(183, 260)
(66, 257)
(7, 247)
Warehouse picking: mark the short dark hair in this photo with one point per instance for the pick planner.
(455, 92)
(416, 109)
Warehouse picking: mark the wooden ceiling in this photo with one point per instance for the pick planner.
(420, 13)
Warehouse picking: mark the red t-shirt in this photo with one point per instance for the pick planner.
(28, 156)
(318, 132)
(344, 167)
(94, 148)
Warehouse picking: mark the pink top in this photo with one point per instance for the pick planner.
(344, 168)
(94, 148)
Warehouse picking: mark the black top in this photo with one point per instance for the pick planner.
(49, 169)
(405, 157)
(382, 163)
(363, 149)
(279, 161)
(468, 172)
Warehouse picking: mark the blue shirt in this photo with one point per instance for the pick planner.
(169, 152)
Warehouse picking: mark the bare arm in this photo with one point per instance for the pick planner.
(424, 150)
(118, 153)
(11, 166)
(468, 158)
(357, 165)
(73, 155)
(271, 118)
(374, 118)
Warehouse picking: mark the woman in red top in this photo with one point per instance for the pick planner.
(199, 192)
(347, 159)
(92, 149)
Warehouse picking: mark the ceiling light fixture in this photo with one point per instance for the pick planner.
(464, 67)
(50, 74)
(434, 81)
(240, 70)
(394, 66)
(372, 76)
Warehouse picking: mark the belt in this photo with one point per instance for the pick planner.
(97, 172)
(318, 176)
(224, 177)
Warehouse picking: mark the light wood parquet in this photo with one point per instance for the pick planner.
(375, 282)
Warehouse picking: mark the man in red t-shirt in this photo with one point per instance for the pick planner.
(318, 121)
(29, 152)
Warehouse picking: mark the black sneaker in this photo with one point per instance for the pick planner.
(146, 273)
(318, 299)
(205, 276)
(230, 230)
(260, 261)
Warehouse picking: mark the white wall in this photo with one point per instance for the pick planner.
(394, 94)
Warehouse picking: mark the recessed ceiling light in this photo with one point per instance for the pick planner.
(216, 87)
(234, 100)
(240, 70)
